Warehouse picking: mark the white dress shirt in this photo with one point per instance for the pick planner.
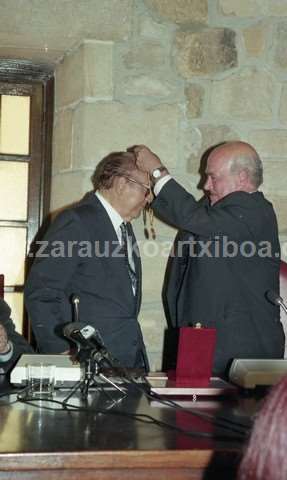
(116, 220)
(160, 183)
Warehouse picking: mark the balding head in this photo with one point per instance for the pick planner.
(243, 157)
(232, 166)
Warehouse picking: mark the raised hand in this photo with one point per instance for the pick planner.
(147, 161)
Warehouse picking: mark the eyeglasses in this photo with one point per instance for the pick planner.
(144, 185)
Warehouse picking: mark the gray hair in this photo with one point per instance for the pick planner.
(250, 162)
(116, 164)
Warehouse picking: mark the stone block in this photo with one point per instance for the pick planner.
(101, 128)
(153, 325)
(59, 25)
(283, 243)
(62, 141)
(279, 40)
(274, 178)
(148, 86)
(269, 143)
(85, 73)
(69, 187)
(155, 361)
(277, 8)
(210, 135)
(148, 54)
(44, 55)
(206, 52)
(154, 255)
(189, 144)
(283, 105)
(151, 30)
(194, 95)
(180, 11)
(102, 19)
(190, 183)
(255, 38)
(280, 206)
(246, 96)
(243, 8)
(98, 69)
(70, 78)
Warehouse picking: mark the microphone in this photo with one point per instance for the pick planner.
(276, 299)
(89, 339)
(76, 302)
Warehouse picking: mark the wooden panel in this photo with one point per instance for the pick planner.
(109, 459)
(21, 78)
(13, 251)
(15, 89)
(21, 71)
(14, 124)
(122, 465)
(13, 190)
(36, 169)
(121, 474)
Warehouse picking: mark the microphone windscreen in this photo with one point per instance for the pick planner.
(273, 297)
(71, 327)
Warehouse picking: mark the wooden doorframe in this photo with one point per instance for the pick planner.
(36, 80)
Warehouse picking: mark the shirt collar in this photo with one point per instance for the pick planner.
(114, 216)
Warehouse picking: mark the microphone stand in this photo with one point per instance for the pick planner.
(92, 369)
(92, 359)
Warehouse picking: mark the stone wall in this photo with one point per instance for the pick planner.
(181, 75)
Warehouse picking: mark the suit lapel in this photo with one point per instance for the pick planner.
(102, 231)
(98, 220)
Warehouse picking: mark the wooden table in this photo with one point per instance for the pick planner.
(57, 445)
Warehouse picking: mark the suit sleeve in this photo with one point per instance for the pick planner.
(46, 298)
(174, 275)
(18, 342)
(179, 208)
(19, 345)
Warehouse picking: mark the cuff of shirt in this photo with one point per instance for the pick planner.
(5, 357)
(160, 183)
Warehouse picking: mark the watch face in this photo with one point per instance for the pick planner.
(156, 173)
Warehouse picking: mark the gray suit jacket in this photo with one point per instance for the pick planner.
(81, 257)
(233, 259)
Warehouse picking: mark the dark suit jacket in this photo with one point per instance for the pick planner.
(20, 345)
(219, 286)
(81, 257)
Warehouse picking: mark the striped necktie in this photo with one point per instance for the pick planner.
(131, 272)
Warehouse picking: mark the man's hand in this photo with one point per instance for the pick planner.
(4, 345)
(147, 161)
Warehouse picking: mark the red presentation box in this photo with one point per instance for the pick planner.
(194, 357)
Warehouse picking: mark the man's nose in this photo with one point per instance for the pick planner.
(208, 184)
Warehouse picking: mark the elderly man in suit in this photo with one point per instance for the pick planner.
(234, 253)
(90, 252)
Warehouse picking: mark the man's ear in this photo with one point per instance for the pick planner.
(243, 177)
(119, 185)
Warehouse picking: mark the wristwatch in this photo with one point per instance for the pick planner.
(156, 173)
